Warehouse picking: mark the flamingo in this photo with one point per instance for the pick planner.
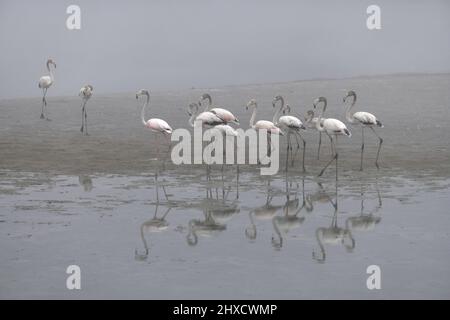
(262, 124)
(310, 122)
(45, 82)
(206, 118)
(365, 119)
(156, 125)
(292, 124)
(85, 94)
(223, 114)
(331, 127)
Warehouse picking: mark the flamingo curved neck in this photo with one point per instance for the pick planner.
(320, 243)
(349, 113)
(319, 119)
(192, 118)
(208, 106)
(50, 72)
(277, 112)
(144, 241)
(147, 101)
(277, 231)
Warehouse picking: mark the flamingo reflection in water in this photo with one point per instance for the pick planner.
(333, 235)
(365, 221)
(154, 225)
(217, 211)
(282, 225)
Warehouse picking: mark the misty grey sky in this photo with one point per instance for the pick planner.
(126, 45)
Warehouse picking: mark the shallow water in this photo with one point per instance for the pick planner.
(99, 201)
(254, 239)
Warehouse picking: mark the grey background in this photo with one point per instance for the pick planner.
(123, 46)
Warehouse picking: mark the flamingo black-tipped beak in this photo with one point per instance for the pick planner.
(137, 96)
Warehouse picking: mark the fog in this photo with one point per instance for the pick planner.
(125, 45)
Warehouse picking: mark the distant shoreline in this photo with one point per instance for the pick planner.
(244, 85)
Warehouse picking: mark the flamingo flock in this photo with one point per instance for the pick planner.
(212, 116)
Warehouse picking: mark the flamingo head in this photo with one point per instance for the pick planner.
(276, 99)
(351, 93)
(51, 62)
(287, 109)
(251, 103)
(204, 96)
(193, 107)
(142, 92)
(90, 87)
(318, 100)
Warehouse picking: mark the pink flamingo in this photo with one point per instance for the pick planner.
(154, 124)
(225, 115)
(262, 124)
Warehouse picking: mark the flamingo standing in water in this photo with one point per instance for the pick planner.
(332, 127)
(262, 124)
(85, 94)
(156, 125)
(45, 82)
(225, 115)
(365, 119)
(292, 124)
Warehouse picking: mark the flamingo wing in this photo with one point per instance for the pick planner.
(365, 118)
(335, 126)
(159, 125)
(291, 122)
(224, 114)
(45, 82)
(209, 118)
(269, 126)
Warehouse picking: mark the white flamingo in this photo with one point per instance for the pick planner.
(206, 118)
(291, 124)
(269, 126)
(85, 94)
(332, 127)
(310, 122)
(365, 119)
(223, 114)
(156, 125)
(45, 82)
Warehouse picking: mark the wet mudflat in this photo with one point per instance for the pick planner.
(144, 228)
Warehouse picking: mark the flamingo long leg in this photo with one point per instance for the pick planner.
(288, 138)
(320, 143)
(85, 120)
(379, 147)
(82, 117)
(362, 148)
(304, 150)
(43, 103)
(332, 159)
